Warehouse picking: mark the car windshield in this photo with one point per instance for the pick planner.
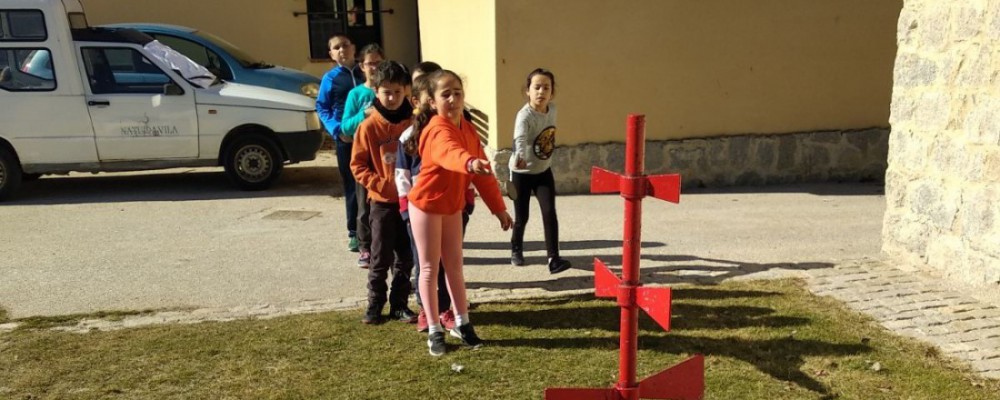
(246, 60)
(190, 70)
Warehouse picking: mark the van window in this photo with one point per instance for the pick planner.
(23, 25)
(24, 70)
(122, 70)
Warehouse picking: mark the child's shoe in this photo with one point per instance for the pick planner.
(403, 314)
(435, 344)
(373, 315)
(468, 335)
(517, 258)
(365, 260)
(448, 319)
(422, 325)
(557, 265)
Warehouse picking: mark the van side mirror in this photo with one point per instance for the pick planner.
(173, 89)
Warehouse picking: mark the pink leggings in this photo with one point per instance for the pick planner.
(439, 239)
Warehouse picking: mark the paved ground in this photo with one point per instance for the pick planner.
(184, 240)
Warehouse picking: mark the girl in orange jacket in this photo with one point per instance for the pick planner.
(452, 158)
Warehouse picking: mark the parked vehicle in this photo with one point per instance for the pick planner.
(227, 61)
(76, 98)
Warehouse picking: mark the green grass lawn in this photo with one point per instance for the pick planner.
(762, 340)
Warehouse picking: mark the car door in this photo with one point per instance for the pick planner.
(135, 117)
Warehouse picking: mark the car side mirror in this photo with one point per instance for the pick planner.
(173, 89)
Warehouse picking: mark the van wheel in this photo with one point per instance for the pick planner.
(10, 173)
(253, 162)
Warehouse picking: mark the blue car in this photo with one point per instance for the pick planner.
(227, 61)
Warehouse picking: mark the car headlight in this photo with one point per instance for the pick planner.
(312, 121)
(310, 89)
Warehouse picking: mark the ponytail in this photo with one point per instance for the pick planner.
(423, 116)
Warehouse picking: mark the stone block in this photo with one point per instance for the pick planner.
(766, 153)
(931, 200)
(933, 111)
(982, 124)
(914, 70)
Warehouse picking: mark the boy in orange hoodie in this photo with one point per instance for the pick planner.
(373, 162)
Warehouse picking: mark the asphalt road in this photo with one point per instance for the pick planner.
(186, 238)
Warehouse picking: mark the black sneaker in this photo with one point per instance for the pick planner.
(435, 343)
(468, 335)
(557, 265)
(373, 315)
(517, 259)
(404, 315)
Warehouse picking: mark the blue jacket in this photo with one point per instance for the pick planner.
(333, 90)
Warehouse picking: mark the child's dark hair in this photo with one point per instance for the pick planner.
(426, 113)
(372, 48)
(541, 71)
(338, 36)
(391, 72)
(427, 67)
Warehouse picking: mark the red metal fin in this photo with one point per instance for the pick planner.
(665, 187)
(684, 381)
(656, 302)
(606, 283)
(604, 181)
(580, 394)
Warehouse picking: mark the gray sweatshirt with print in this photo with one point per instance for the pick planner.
(534, 140)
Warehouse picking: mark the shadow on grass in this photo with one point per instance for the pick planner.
(781, 358)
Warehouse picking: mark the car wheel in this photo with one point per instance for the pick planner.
(10, 173)
(253, 163)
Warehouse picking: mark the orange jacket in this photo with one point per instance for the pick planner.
(445, 151)
(373, 157)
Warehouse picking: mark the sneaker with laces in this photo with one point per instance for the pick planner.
(468, 335)
(353, 245)
(448, 319)
(373, 315)
(422, 325)
(365, 260)
(557, 265)
(435, 343)
(403, 314)
(517, 259)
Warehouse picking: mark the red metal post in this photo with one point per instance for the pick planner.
(633, 192)
(684, 381)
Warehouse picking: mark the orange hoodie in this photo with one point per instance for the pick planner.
(445, 151)
(373, 157)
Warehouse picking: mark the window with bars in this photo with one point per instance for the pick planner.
(360, 20)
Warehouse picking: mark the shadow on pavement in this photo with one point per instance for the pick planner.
(189, 184)
(819, 189)
(682, 269)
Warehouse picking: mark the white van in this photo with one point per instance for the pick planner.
(76, 98)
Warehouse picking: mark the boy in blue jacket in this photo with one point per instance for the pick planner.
(333, 90)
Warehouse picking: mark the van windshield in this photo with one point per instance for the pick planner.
(246, 60)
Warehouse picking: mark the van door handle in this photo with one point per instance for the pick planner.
(98, 103)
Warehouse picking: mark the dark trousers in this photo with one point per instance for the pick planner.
(444, 299)
(390, 250)
(364, 218)
(544, 188)
(350, 194)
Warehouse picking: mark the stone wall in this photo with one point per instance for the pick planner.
(858, 155)
(942, 191)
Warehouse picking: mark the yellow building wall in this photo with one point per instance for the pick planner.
(266, 29)
(461, 36)
(695, 68)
